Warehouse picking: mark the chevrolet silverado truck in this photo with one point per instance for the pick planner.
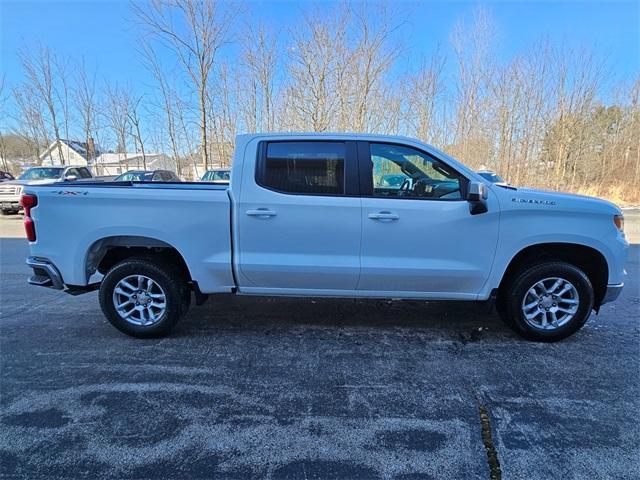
(11, 190)
(312, 215)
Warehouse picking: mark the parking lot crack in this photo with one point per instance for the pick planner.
(492, 455)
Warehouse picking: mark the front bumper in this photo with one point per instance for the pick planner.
(45, 274)
(612, 293)
(10, 203)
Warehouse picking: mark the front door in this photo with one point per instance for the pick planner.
(418, 235)
(299, 227)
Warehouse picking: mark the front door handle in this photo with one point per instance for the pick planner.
(261, 212)
(383, 216)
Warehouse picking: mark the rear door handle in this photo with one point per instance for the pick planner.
(261, 212)
(383, 216)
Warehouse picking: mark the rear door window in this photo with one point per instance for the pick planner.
(304, 167)
(84, 173)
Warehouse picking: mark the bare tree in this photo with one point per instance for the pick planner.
(634, 130)
(423, 90)
(472, 46)
(40, 69)
(223, 115)
(372, 58)
(85, 100)
(63, 92)
(134, 123)
(29, 119)
(3, 103)
(117, 113)
(319, 59)
(194, 31)
(260, 61)
(168, 96)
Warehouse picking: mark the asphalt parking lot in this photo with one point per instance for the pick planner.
(311, 388)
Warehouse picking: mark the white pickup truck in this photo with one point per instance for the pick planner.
(316, 215)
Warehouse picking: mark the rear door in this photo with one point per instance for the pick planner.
(419, 236)
(299, 217)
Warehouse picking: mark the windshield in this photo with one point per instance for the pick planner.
(41, 173)
(135, 177)
(216, 176)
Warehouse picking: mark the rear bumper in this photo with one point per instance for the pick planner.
(612, 293)
(45, 274)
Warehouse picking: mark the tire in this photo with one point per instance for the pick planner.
(149, 319)
(570, 304)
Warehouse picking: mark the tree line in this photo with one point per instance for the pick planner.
(549, 116)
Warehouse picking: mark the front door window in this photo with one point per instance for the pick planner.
(403, 172)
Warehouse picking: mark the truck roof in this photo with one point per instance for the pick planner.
(353, 135)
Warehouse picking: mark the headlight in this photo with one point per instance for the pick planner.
(618, 220)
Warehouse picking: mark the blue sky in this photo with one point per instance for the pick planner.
(104, 34)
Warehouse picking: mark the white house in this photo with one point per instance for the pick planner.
(117, 163)
(78, 153)
(73, 153)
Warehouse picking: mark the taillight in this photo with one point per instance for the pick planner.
(29, 201)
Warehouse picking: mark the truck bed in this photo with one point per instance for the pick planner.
(193, 217)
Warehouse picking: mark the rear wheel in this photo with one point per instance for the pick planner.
(144, 297)
(547, 302)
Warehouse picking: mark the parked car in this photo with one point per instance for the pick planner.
(6, 176)
(493, 177)
(304, 215)
(148, 176)
(11, 190)
(221, 175)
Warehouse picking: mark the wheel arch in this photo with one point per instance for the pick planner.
(587, 258)
(108, 251)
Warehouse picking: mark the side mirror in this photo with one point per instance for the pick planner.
(477, 192)
(476, 196)
(70, 178)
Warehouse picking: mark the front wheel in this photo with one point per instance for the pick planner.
(143, 297)
(547, 302)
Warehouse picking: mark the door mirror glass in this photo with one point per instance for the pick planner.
(477, 191)
(70, 178)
